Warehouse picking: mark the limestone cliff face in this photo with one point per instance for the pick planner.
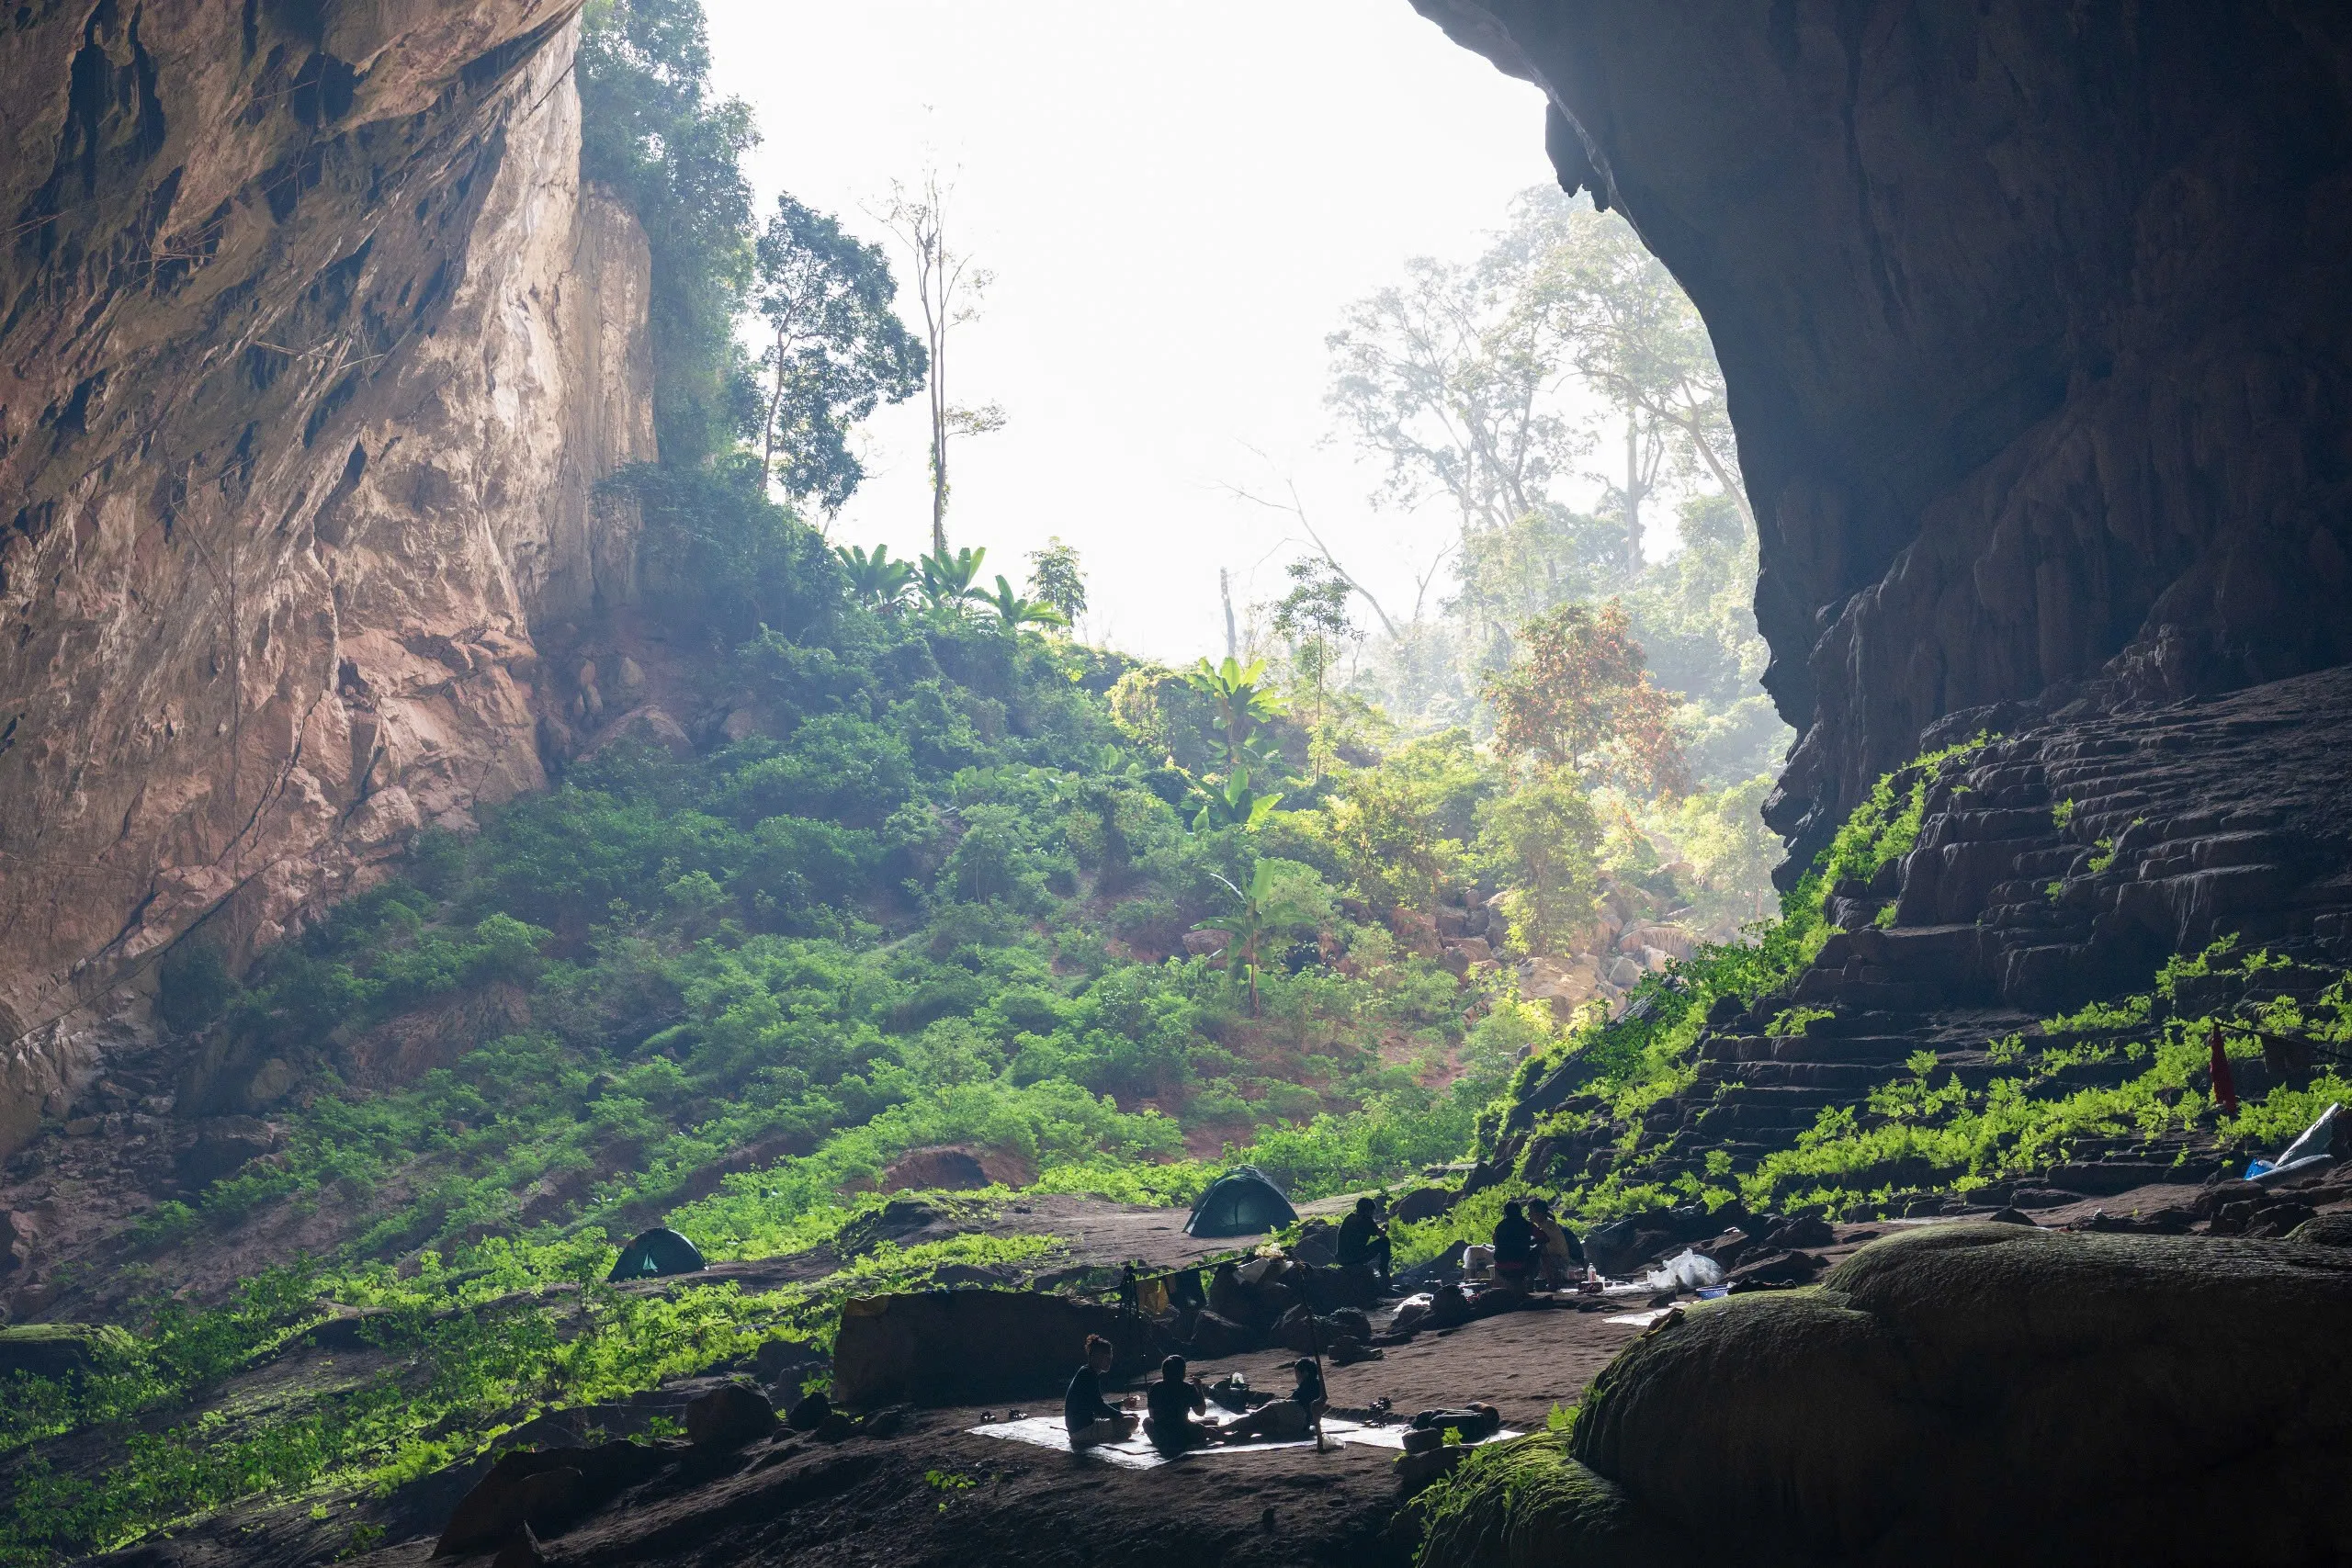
(2032, 321)
(310, 349)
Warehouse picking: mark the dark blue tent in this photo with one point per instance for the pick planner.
(1241, 1202)
(655, 1253)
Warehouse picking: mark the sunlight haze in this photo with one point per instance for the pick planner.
(1176, 202)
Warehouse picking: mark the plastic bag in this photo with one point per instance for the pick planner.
(2319, 1138)
(1686, 1270)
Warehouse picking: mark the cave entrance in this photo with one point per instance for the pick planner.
(1318, 314)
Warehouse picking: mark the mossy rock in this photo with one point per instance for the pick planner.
(1961, 1393)
(2324, 1230)
(53, 1350)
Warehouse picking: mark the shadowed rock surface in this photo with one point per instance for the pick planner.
(2190, 822)
(1963, 1393)
(2030, 318)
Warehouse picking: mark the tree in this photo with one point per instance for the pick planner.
(1538, 838)
(949, 287)
(650, 128)
(1016, 612)
(1055, 580)
(1634, 337)
(1234, 804)
(1313, 619)
(1456, 378)
(836, 348)
(1579, 697)
(949, 580)
(1280, 898)
(875, 581)
(1242, 701)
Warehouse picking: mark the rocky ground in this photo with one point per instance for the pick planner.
(916, 1487)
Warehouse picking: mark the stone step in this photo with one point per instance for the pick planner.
(1851, 1050)
(1849, 1078)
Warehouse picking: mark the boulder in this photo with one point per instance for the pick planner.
(809, 1414)
(1215, 1337)
(2325, 1230)
(1333, 1288)
(1784, 1267)
(729, 1416)
(53, 1350)
(947, 1169)
(545, 1491)
(223, 1145)
(2110, 1391)
(967, 1346)
(1423, 1203)
(1800, 1231)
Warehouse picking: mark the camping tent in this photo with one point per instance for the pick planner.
(655, 1253)
(1241, 1202)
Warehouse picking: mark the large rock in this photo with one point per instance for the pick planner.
(545, 1490)
(314, 347)
(1968, 1393)
(224, 1146)
(54, 1349)
(1964, 263)
(966, 1347)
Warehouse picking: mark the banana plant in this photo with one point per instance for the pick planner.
(1016, 612)
(948, 580)
(876, 580)
(1248, 924)
(1242, 703)
(1234, 804)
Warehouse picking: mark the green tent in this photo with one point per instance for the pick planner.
(1241, 1202)
(655, 1253)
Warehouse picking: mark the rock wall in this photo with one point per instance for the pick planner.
(2031, 321)
(310, 349)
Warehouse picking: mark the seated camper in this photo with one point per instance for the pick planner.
(1363, 1240)
(1283, 1420)
(1170, 1406)
(1090, 1417)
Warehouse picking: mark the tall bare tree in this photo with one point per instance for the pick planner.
(949, 288)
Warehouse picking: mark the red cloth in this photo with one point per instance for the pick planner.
(2224, 1090)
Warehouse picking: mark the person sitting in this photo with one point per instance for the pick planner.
(1283, 1420)
(1559, 1256)
(1091, 1419)
(1170, 1406)
(1515, 1247)
(1363, 1240)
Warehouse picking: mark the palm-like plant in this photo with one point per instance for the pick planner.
(1016, 612)
(949, 580)
(876, 580)
(1248, 925)
(1242, 703)
(1234, 804)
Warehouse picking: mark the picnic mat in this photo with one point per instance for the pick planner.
(1137, 1453)
(1394, 1437)
(1639, 1319)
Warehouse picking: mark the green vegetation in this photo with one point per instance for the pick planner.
(2147, 1057)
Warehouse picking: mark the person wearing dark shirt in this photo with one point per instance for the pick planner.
(1090, 1418)
(1170, 1403)
(1283, 1420)
(1515, 1247)
(1363, 1240)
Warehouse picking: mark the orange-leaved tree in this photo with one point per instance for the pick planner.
(1579, 697)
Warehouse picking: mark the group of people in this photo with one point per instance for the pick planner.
(1171, 1404)
(1531, 1249)
(1534, 1250)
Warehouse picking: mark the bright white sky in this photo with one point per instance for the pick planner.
(1177, 201)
